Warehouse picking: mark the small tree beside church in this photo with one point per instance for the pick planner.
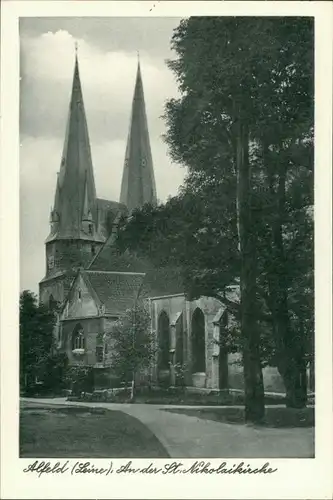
(131, 346)
(36, 338)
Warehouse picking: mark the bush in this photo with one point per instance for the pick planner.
(55, 373)
(81, 379)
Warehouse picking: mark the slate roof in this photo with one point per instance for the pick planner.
(114, 206)
(116, 291)
(158, 280)
(107, 212)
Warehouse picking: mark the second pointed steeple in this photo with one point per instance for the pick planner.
(138, 183)
(75, 192)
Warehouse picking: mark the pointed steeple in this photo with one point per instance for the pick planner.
(75, 192)
(138, 182)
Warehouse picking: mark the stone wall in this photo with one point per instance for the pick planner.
(210, 380)
(57, 286)
(80, 303)
(69, 254)
(93, 328)
(210, 307)
(173, 306)
(235, 372)
(180, 314)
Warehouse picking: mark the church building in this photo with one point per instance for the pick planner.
(93, 285)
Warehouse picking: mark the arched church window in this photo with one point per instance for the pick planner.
(163, 340)
(90, 229)
(78, 341)
(198, 342)
(93, 249)
(79, 294)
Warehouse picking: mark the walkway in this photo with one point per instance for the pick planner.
(190, 437)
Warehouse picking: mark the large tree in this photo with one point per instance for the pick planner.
(247, 98)
(243, 126)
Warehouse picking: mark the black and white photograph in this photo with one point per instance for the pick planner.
(167, 216)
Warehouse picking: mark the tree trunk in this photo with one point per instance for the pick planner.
(291, 363)
(253, 379)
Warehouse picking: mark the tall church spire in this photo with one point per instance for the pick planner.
(75, 192)
(138, 182)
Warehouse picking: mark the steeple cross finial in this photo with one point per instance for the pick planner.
(76, 47)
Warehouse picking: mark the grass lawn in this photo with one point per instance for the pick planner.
(77, 432)
(278, 416)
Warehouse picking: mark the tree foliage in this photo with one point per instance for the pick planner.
(80, 378)
(243, 127)
(131, 344)
(36, 336)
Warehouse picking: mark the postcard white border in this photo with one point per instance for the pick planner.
(296, 479)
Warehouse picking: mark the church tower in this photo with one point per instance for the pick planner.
(75, 234)
(138, 182)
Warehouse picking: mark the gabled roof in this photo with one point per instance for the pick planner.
(158, 280)
(138, 183)
(113, 292)
(117, 292)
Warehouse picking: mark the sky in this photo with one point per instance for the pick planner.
(107, 51)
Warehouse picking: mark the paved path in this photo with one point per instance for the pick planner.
(190, 437)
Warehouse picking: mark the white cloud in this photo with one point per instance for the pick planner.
(107, 81)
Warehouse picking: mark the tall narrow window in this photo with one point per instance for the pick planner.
(198, 342)
(52, 302)
(78, 341)
(163, 340)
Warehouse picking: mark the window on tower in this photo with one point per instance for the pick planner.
(50, 261)
(90, 229)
